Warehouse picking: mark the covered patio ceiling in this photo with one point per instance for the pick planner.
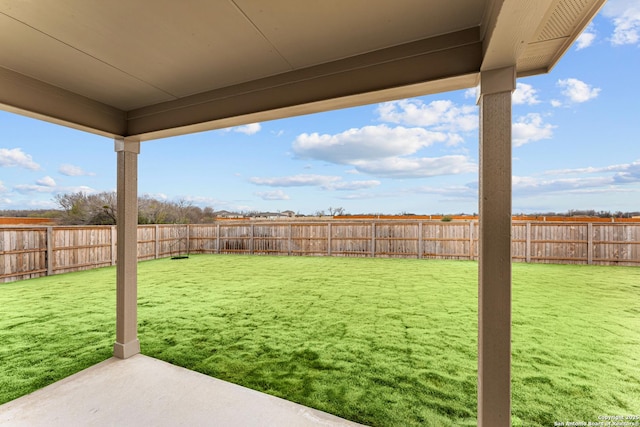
(137, 70)
(149, 69)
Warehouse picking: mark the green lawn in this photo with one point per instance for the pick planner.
(385, 342)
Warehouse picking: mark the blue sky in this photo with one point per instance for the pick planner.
(576, 145)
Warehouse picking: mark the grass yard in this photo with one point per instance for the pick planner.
(385, 342)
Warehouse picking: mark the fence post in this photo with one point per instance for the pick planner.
(420, 242)
(251, 234)
(188, 244)
(527, 250)
(114, 237)
(373, 240)
(50, 242)
(157, 242)
(289, 247)
(218, 238)
(470, 240)
(329, 238)
(590, 243)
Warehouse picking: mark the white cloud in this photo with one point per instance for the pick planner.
(272, 195)
(577, 91)
(625, 15)
(46, 181)
(533, 185)
(2, 187)
(587, 180)
(628, 173)
(249, 129)
(399, 167)
(525, 94)
(296, 181)
(556, 103)
(44, 187)
(591, 169)
(586, 38)
(34, 204)
(325, 182)
(71, 170)
(384, 151)
(157, 196)
(441, 115)
(367, 143)
(15, 157)
(33, 188)
(472, 92)
(352, 185)
(469, 190)
(530, 128)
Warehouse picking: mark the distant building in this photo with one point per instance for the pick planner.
(269, 215)
(227, 214)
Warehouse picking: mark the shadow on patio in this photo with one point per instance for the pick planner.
(142, 391)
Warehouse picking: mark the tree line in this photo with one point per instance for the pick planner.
(101, 209)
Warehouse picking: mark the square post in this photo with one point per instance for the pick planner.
(127, 343)
(494, 269)
(49, 258)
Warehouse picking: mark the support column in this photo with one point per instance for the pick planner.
(494, 281)
(127, 343)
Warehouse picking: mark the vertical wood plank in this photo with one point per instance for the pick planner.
(373, 240)
(420, 240)
(49, 251)
(218, 238)
(471, 227)
(251, 238)
(590, 243)
(114, 234)
(527, 249)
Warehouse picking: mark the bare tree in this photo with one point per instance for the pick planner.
(81, 208)
(336, 211)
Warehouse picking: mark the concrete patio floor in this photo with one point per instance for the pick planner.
(142, 391)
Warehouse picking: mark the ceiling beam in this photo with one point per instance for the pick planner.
(337, 84)
(33, 98)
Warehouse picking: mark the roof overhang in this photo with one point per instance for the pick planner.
(146, 69)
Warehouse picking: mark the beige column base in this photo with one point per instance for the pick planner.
(124, 351)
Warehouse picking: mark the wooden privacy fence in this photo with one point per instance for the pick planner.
(27, 252)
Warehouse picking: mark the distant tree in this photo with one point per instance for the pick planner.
(336, 211)
(82, 208)
(152, 211)
(208, 215)
(101, 209)
(185, 213)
